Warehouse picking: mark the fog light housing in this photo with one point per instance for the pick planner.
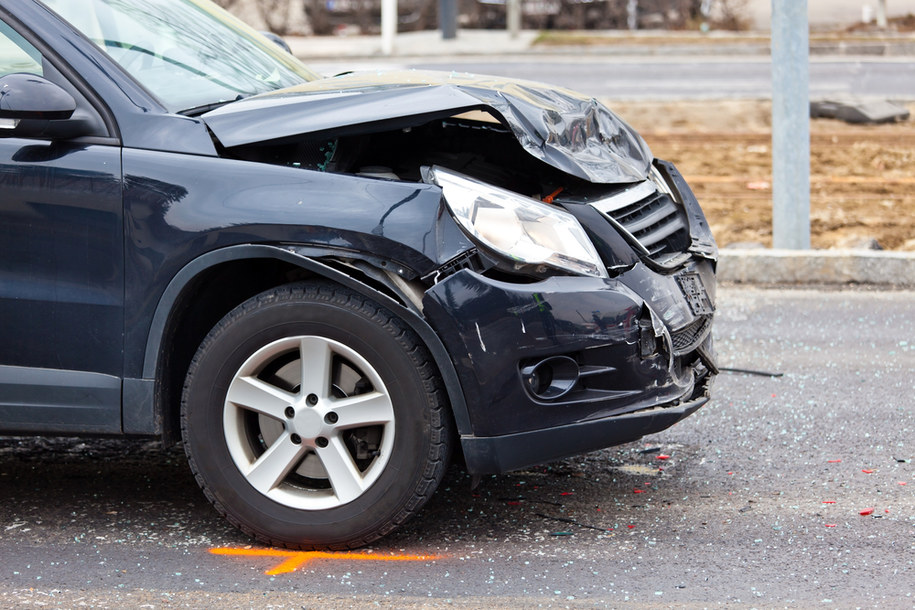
(551, 378)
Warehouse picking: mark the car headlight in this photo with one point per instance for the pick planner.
(524, 231)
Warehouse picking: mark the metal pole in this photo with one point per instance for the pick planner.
(513, 17)
(790, 125)
(388, 26)
(881, 14)
(632, 14)
(447, 18)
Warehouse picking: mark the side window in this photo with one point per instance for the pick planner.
(16, 54)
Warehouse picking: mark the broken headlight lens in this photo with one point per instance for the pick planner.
(525, 231)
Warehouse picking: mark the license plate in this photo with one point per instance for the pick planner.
(694, 291)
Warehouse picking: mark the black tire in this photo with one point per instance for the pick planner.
(360, 448)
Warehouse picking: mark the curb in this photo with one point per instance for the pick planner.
(828, 267)
(496, 43)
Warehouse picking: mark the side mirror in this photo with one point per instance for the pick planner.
(277, 40)
(34, 107)
(27, 96)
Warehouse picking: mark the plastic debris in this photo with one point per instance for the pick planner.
(829, 524)
(562, 534)
(638, 491)
(729, 369)
(663, 457)
(857, 111)
(867, 471)
(866, 512)
(833, 461)
(829, 501)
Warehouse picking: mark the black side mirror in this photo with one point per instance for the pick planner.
(277, 40)
(27, 96)
(34, 107)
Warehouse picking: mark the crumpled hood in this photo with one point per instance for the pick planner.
(567, 130)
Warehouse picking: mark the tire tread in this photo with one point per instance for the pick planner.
(440, 420)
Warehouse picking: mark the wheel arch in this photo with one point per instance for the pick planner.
(186, 312)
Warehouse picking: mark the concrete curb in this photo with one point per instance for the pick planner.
(830, 267)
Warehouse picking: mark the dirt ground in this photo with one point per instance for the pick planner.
(862, 177)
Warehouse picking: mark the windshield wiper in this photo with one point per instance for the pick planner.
(204, 108)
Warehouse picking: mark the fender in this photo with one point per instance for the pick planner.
(141, 416)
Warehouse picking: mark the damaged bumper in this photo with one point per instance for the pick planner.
(492, 455)
(571, 364)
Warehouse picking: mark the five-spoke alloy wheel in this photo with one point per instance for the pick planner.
(314, 418)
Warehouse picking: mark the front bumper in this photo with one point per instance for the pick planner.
(492, 455)
(642, 384)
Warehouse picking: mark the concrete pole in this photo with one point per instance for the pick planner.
(513, 17)
(881, 14)
(790, 125)
(388, 26)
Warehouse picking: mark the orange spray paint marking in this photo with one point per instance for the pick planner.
(293, 560)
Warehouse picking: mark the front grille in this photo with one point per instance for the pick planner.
(652, 218)
(689, 337)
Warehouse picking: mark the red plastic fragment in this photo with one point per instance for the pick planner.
(833, 461)
(730, 472)
(663, 457)
(866, 512)
(647, 483)
(567, 493)
(632, 527)
(829, 501)
(867, 471)
(902, 482)
(830, 524)
(549, 198)
(638, 491)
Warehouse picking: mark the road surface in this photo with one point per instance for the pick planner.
(758, 504)
(666, 79)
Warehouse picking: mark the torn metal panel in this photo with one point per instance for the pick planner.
(571, 132)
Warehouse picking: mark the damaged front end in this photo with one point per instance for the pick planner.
(576, 305)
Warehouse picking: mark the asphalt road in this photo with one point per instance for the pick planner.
(663, 79)
(758, 504)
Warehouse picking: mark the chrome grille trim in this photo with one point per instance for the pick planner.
(625, 198)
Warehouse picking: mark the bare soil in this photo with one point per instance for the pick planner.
(862, 176)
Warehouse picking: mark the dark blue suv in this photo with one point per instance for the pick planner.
(322, 286)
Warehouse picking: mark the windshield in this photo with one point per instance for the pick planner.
(189, 53)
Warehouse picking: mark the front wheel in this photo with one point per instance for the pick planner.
(313, 417)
